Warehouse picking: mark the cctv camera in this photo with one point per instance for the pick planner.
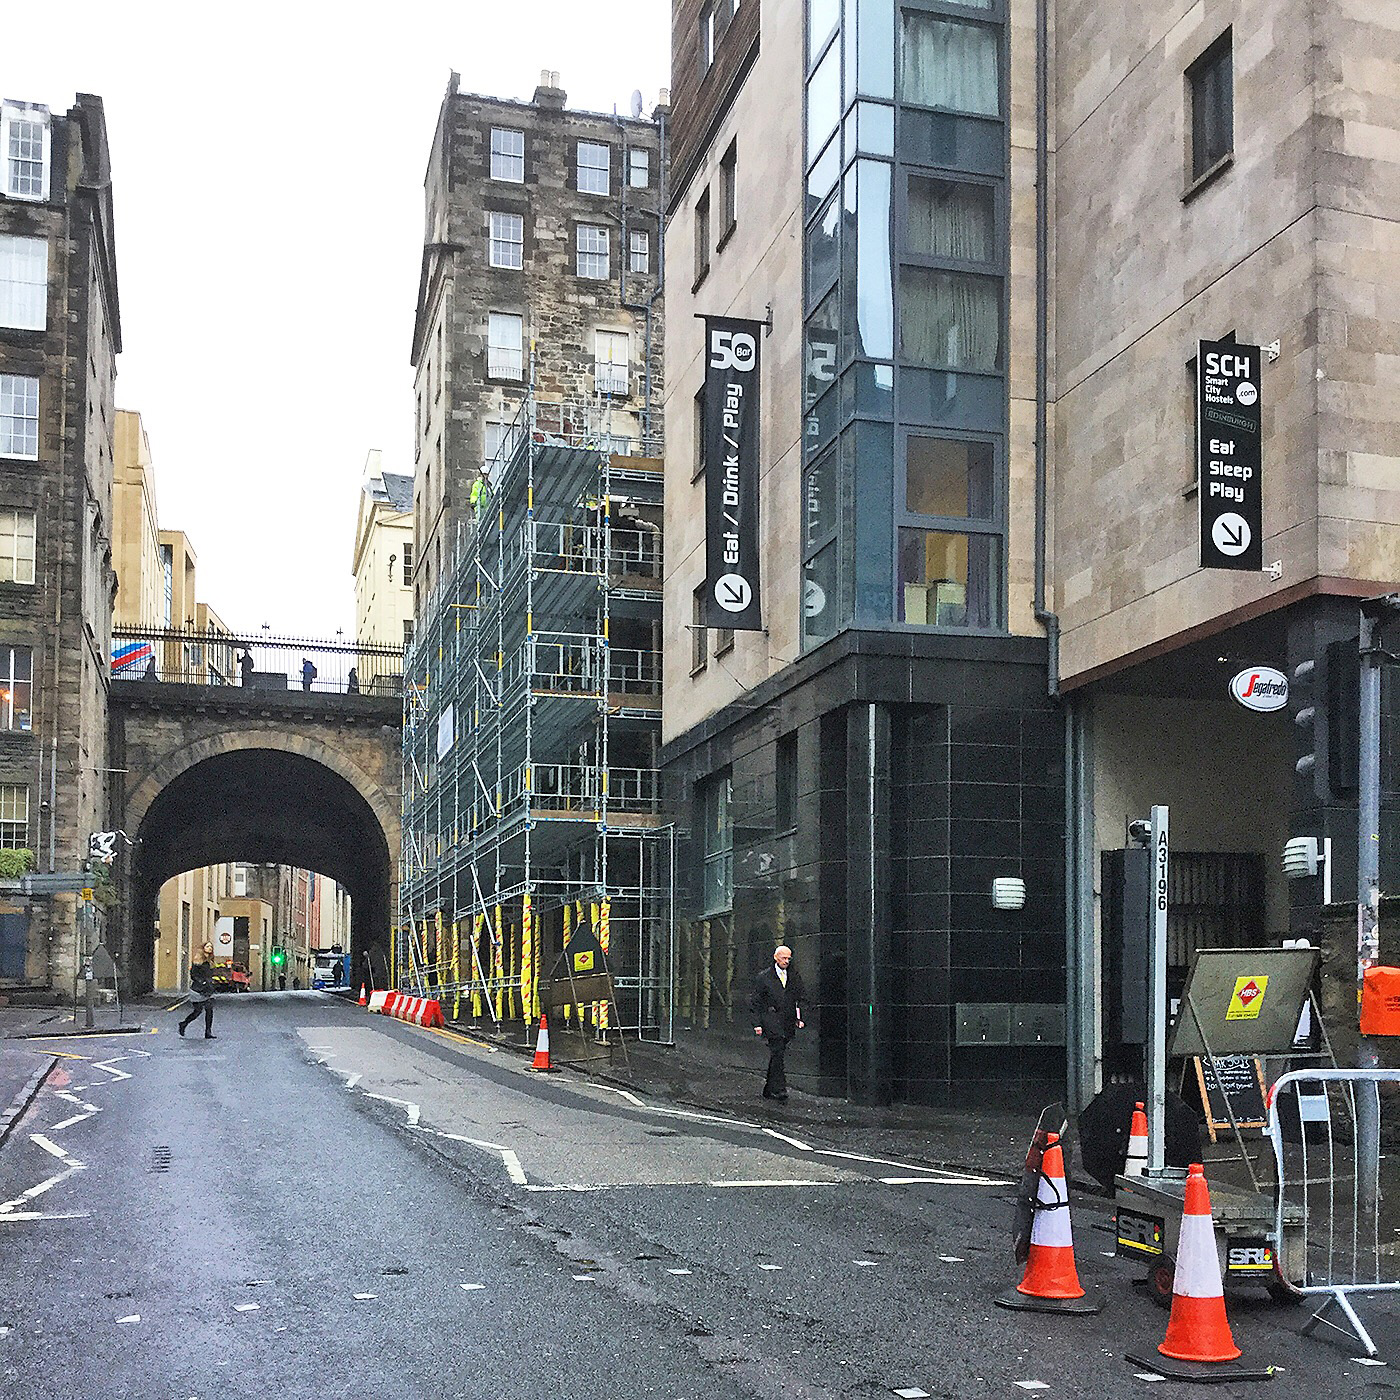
(1140, 832)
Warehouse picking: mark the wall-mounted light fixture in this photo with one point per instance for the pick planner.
(1008, 892)
(1303, 858)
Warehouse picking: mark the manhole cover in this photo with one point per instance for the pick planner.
(160, 1159)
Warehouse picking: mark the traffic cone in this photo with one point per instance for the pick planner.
(1136, 1165)
(364, 1000)
(1051, 1282)
(542, 1046)
(1198, 1344)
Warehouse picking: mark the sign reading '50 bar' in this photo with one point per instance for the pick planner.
(731, 474)
(1228, 455)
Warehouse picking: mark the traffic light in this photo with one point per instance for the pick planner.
(278, 957)
(1326, 701)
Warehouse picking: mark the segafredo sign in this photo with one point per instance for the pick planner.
(1260, 688)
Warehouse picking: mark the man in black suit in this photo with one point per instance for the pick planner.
(776, 1004)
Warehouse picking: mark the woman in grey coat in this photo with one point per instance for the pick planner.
(202, 993)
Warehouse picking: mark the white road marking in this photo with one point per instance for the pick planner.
(361, 1297)
(1033, 1385)
(106, 1065)
(791, 1141)
(935, 1173)
(772, 1268)
(471, 1287)
(774, 1183)
(411, 1109)
(1148, 1376)
(1367, 1361)
(865, 1263)
(70, 1164)
(677, 1271)
(949, 1179)
(952, 1258)
(76, 1118)
(7, 1216)
(246, 1307)
(353, 1080)
(135, 1317)
(585, 1278)
(508, 1158)
(513, 1168)
(912, 1392)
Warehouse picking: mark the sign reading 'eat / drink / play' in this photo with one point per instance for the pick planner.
(1228, 458)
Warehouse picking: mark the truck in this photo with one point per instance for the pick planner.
(231, 955)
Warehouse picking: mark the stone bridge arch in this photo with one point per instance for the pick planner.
(200, 778)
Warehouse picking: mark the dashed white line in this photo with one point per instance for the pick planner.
(912, 1392)
(246, 1307)
(791, 1141)
(513, 1168)
(951, 1259)
(471, 1287)
(362, 1297)
(135, 1317)
(411, 1109)
(1033, 1385)
(677, 1271)
(772, 1268)
(7, 1216)
(865, 1263)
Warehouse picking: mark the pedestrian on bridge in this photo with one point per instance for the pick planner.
(202, 993)
(308, 673)
(245, 667)
(776, 1004)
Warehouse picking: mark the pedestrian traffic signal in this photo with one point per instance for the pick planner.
(278, 957)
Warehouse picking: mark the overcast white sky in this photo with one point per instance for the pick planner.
(267, 168)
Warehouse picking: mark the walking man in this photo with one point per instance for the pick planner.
(202, 993)
(776, 1004)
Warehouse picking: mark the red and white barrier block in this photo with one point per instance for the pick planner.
(417, 1011)
(377, 1000)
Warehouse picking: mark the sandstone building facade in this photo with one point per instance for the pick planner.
(60, 332)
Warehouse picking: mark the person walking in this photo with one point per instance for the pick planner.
(339, 972)
(202, 993)
(245, 668)
(776, 1005)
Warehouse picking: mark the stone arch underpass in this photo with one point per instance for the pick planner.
(203, 775)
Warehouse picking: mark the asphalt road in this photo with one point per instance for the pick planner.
(323, 1203)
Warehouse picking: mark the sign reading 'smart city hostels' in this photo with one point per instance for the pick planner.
(731, 474)
(1228, 455)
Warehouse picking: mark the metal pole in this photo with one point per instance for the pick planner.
(1157, 995)
(84, 907)
(1368, 892)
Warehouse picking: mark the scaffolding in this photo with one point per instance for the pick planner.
(532, 707)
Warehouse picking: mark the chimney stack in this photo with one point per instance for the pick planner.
(549, 94)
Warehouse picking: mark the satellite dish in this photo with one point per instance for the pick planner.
(637, 102)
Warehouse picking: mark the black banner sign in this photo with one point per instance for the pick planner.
(1228, 455)
(731, 474)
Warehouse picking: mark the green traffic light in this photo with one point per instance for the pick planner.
(278, 957)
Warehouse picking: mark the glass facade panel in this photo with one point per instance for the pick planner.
(949, 478)
(821, 20)
(950, 219)
(824, 97)
(819, 597)
(873, 471)
(876, 129)
(819, 500)
(874, 276)
(950, 319)
(960, 143)
(822, 180)
(928, 396)
(875, 62)
(873, 390)
(819, 355)
(949, 580)
(823, 252)
(949, 64)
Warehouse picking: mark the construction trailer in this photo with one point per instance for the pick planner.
(532, 712)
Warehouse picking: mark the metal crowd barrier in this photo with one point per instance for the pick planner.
(1313, 1126)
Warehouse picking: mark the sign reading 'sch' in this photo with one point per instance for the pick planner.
(730, 449)
(1228, 455)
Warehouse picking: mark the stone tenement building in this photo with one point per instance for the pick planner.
(60, 331)
(541, 264)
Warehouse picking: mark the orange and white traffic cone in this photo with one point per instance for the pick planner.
(542, 1046)
(1051, 1281)
(1198, 1344)
(1136, 1164)
(364, 1000)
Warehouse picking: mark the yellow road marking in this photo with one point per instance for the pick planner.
(453, 1035)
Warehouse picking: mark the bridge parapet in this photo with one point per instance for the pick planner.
(264, 663)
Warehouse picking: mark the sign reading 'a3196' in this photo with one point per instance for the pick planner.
(1228, 455)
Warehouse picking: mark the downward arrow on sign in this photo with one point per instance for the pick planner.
(733, 594)
(1234, 538)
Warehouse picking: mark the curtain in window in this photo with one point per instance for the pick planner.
(948, 220)
(951, 65)
(949, 320)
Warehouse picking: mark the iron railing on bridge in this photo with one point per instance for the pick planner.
(259, 661)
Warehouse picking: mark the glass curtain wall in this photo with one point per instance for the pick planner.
(904, 361)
